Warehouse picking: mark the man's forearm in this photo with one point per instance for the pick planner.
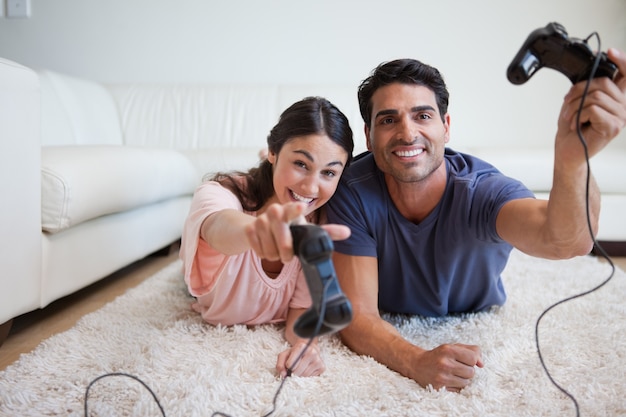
(380, 340)
(567, 224)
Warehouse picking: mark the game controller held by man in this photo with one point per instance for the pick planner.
(551, 47)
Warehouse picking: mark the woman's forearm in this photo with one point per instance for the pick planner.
(225, 231)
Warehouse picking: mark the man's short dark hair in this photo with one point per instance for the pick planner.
(403, 71)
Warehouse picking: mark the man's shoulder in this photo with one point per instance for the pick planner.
(362, 168)
(362, 181)
(464, 163)
(477, 177)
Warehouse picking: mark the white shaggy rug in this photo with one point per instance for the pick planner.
(195, 369)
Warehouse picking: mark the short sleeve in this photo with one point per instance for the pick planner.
(209, 198)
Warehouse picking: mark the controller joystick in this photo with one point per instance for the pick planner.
(551, 47)
(314, 248)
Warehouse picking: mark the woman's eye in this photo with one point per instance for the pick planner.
(330, 174)
(300, 164)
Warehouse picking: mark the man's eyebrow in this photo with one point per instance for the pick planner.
(385, 113)
(416, 109)
(310, 157)
(425, 107)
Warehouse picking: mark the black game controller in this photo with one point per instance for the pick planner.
(550, 47)
(314, 247)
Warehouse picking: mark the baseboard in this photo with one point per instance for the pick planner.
(611, 248)
(167, 250)
(5, 328)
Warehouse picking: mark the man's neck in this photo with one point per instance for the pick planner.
(416, 200)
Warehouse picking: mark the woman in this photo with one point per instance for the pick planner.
(236, 246)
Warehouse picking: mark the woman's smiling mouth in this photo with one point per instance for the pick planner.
(300, 198)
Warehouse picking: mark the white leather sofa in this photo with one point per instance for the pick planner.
(78, 204)
(98, 176)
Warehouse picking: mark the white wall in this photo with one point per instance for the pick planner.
(321, 41)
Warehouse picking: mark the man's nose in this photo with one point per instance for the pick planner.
(407, 130)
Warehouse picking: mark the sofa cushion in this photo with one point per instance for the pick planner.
(206, 116)
(534, 167)
(80, 183)
(223, 159)
(77, 112)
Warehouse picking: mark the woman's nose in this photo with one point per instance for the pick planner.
(310, 186)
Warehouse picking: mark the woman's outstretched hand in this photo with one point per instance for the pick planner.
(269, 235)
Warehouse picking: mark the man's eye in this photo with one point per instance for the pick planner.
(386, 121)
(424, 116)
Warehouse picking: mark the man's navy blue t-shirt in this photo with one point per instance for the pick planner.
(452, 261)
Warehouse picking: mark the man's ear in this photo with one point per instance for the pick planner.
(446, 125)
(366, 129)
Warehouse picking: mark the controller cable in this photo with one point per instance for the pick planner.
(318, 327)
(590, 228)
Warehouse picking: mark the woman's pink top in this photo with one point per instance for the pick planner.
(234, 289)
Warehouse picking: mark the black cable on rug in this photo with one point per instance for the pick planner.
(124, 375)
(318, 326)
(596, 244)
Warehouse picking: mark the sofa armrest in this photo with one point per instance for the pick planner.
(20, 223)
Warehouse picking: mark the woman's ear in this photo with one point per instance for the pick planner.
(271, 157)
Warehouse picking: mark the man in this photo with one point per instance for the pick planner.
(432, 229)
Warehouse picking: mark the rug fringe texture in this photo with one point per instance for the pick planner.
(196, 369)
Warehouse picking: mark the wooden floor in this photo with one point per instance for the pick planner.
(30, 329)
